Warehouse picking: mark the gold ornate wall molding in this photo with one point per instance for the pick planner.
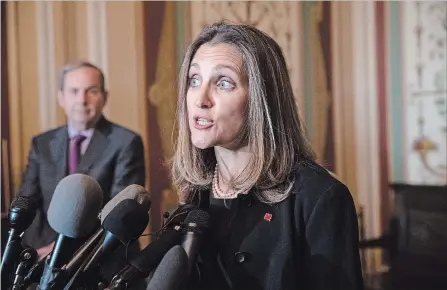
(424, 91)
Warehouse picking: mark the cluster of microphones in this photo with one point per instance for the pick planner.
(81, 247)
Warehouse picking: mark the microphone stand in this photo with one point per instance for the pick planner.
(85, 279)
(49, 277)
(12, 250)
(34, 273)
(27, 258)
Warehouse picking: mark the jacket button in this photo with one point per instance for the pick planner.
(239, 257)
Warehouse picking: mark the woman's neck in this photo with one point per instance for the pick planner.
(231, 164)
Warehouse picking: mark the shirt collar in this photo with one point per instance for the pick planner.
(87, 133)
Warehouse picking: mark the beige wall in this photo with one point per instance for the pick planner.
(42, 36)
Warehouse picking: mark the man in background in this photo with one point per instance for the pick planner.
(87, 144)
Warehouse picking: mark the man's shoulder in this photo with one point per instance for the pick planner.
(122, 137)
(122, 132)
(50, 134)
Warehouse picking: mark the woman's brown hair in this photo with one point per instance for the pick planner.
(273, 131)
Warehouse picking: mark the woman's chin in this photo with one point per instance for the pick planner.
(202, 144)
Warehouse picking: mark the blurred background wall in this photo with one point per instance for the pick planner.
(369, 78)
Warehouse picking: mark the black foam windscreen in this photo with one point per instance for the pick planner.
(200, 218)
(75, 206)
(127, 220)
(179, 214)
(152, 254)
(23, 202)
(171, 272)
(21, 213)
(134, 192)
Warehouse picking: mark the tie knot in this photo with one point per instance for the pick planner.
(78, 139)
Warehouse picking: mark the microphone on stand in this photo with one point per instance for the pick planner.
(148, 259)
(135, 192)
(72, 213)
(82, 253)
(125, 223)
(132, 192)
(132, 204)
(170, 273)
(193, 234)
(21, 215)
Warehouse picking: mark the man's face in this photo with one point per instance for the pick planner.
(82, 98)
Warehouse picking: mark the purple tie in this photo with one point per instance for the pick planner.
(74, 153)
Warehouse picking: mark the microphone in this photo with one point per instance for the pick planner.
(21, 215)
(179, 214)
(192, 238)
(132, 192)
(72, 213)
(170, 274)
(141, 265)
(125, 223)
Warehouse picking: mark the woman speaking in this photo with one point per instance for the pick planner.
(279, 220)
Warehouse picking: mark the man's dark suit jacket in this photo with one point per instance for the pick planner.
(114, 157)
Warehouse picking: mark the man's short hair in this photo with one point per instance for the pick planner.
(69, 67)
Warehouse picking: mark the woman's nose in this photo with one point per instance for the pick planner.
(203, 99)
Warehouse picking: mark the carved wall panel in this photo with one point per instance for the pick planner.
(425, 88)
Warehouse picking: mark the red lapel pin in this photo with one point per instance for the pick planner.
(268, 217)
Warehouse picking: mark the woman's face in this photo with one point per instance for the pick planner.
(217, 96)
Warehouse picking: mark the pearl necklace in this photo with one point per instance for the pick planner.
(218, 193)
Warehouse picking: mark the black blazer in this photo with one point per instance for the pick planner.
(308, 241)
(114, 157)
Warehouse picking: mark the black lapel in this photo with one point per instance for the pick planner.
(59, 148)
(96, 147)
